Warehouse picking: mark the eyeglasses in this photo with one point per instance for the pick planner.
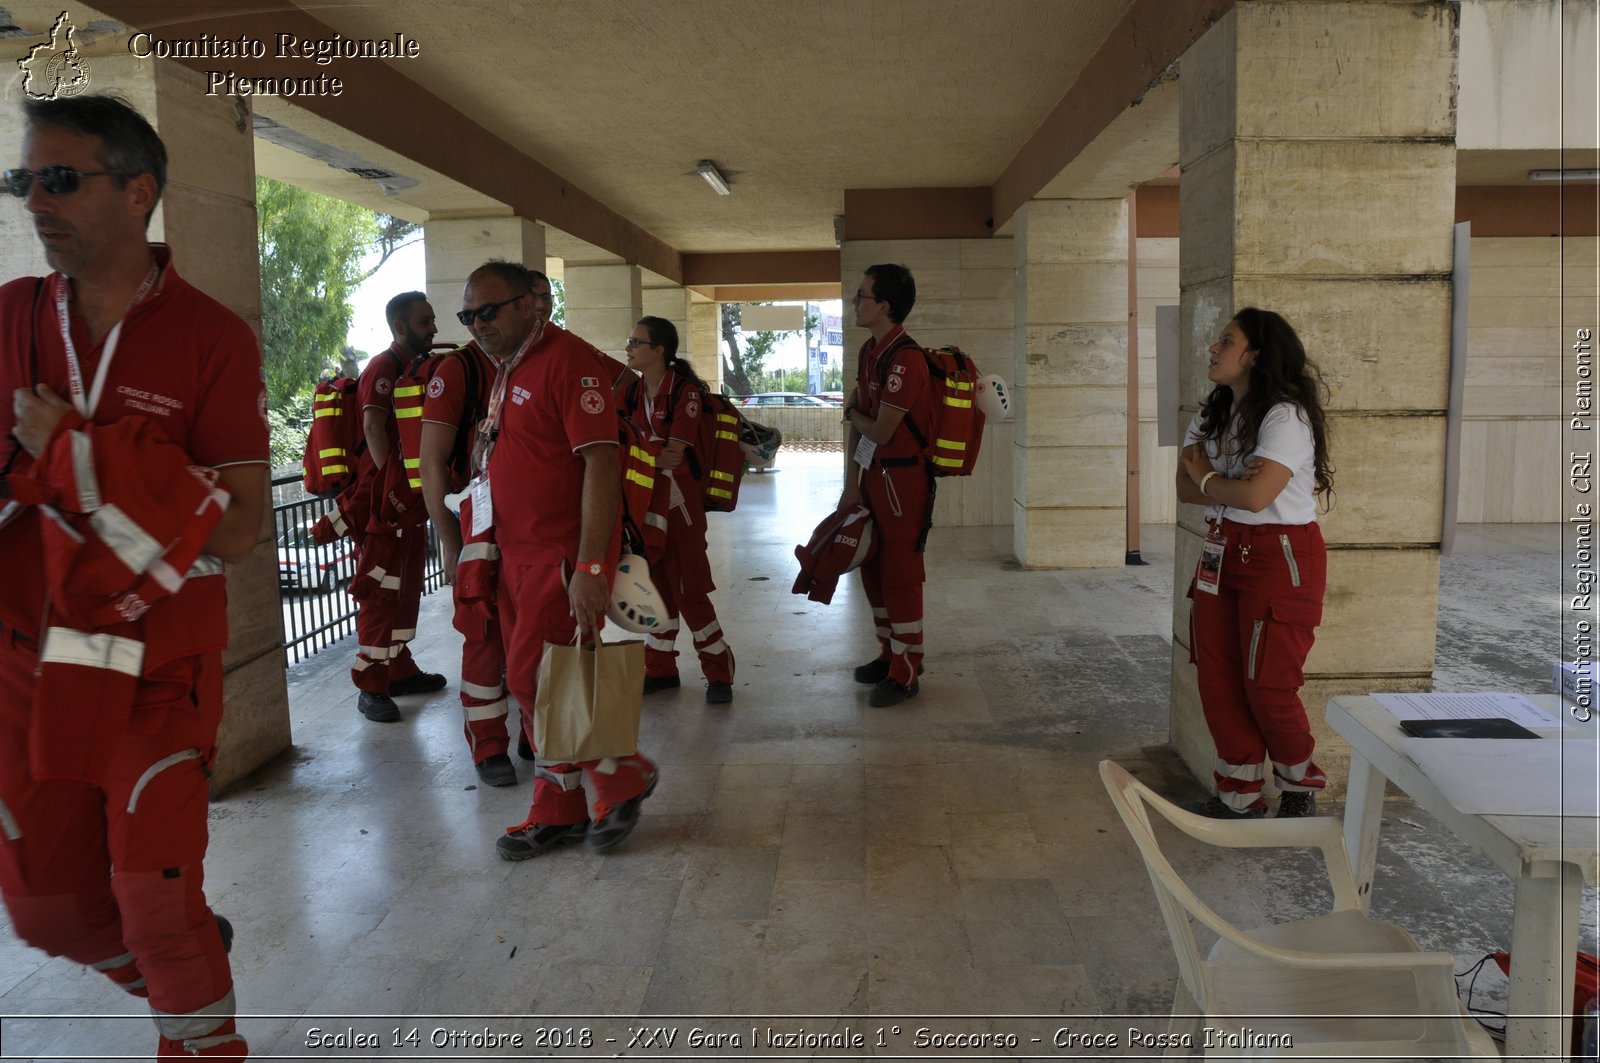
(486, 312)
(634, 342)
(57, 180)
(860, 295)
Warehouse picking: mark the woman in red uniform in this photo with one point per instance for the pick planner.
(667, 403)
(1256, 456)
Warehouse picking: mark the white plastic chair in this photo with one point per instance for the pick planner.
(1339, 985)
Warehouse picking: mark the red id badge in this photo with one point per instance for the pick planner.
(1208, 573)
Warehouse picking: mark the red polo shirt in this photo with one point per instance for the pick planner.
(894, 372)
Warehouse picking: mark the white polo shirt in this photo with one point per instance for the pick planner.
(1285, 438)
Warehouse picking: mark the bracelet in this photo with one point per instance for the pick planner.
(593, 568)
(1206, 479)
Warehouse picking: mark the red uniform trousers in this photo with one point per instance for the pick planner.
(1249, 644)
(534, 610)
(683, 577)
(112, 875)
(900, 499)
(484, 705)
(385, 624)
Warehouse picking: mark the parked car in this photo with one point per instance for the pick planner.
(834, 398)
(782, 398)
(305, 565)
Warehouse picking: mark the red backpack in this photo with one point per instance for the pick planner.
(720, 469)
(956, 434)
(336, 440)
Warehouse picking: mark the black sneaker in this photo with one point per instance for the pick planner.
(421, 683)
(617, 823)
(1297, 804)
(1217, 808)
(889, 693)
(527, 840)
(224, 928)
(719, 693)
(875, 672)
(379, 708)
(654, 683)
(496, 770)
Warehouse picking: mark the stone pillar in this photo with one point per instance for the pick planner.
(603, 303)
(1071, 383)
(454, 247)
(207, 213)
(1324, 189)
(705, 338)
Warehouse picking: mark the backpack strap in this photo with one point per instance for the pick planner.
(883, 380)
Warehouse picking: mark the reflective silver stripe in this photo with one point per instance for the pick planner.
(109, 652)
(657, 642)
(195, 1024)
(656, 520)
(375, 653)
(896, 646)
(133, 546)
(492, 711)
(11, 510)
(1243, 772)
(1288, 555)
(204, 565)
(880, 613)
(337, 520)
(914, 628)
(9, 824)
(706, 632)
(361, 664)
(390, 583)
(713, 649)
(1255, 645)
(83, 472)
(478, 552)
(130, 987)
(402, 634)
(1291, 773)
(567, 780)
(199, 1044)
(166, 575)
(483, 692)
(114, 962)
(156, 769)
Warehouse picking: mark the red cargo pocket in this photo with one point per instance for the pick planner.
(1280, 643)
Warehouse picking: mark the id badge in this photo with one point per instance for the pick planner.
(482, 507)
(1208, 574)
(864, 451)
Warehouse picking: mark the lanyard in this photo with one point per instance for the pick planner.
(86, 404)
(490, 427)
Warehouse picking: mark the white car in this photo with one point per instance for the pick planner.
(305, 565)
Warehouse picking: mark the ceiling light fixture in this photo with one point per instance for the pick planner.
(1564, 175)
(713, 176)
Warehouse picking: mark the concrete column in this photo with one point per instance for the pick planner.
(1324, 189)
(705, 338)
(1070, 469)
(603, 303)
(454, 247)
(207, 214)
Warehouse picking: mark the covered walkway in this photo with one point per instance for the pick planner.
(804, 853)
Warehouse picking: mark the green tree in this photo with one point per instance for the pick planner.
(558, 303)
(312, 249)
(743, 370)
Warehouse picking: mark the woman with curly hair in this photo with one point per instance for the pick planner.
(1256, 456)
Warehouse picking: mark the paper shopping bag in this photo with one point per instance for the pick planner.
(588, 702)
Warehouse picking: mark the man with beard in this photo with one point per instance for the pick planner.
(386, 622)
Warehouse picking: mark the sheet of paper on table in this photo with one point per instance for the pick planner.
(1512, 707)
(1513, 777)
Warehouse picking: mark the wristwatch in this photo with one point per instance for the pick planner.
(593, 568)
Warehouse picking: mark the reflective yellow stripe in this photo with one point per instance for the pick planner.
(413, 463)
(727, 435)
(730, 418)
(331, 452)
(416, 411)
(952, 463)
(950, 444)
(327, 469)
(960, 385)
(640, 478)
(642, 455)
(717, 492)
(960, 404)
(407, 392)
(326, 398)
(718, 474)
(334, 412)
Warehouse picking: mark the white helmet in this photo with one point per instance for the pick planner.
(994, 397)
(635, 602)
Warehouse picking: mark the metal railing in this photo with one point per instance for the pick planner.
(312, 579)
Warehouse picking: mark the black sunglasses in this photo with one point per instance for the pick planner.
(486, 312)
(57, 180)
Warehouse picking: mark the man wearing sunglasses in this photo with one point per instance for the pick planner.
(554, 494)
(385, 624)
(103, 851)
